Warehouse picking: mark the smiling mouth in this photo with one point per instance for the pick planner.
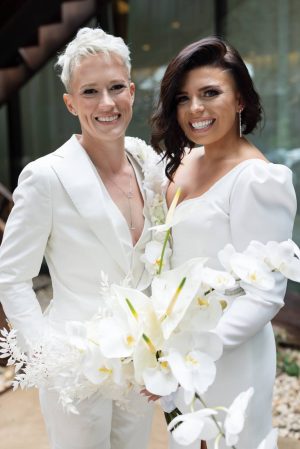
(202, 125)
(107, 119)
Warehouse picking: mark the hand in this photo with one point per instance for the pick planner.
(150, 396)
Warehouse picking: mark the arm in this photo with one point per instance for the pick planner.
(21, 253)
(262, 207)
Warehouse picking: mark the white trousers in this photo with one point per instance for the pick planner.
(101, 424)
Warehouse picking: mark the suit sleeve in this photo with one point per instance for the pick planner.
(21, 253)
(262, 208)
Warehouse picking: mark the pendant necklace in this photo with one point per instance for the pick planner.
(128, 195)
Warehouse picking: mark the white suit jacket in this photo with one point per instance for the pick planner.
(63, 212)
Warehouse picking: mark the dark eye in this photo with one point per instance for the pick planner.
(181, 99)
(90, 91)
(118, 87)
(211, 93)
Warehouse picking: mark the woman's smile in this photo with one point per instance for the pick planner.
(111, 119)
(202, 125)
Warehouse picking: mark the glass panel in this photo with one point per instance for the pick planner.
(46, 122)
(269, 42)
(157, 31)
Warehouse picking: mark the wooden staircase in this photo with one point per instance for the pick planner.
(32, 31)
(6, 204)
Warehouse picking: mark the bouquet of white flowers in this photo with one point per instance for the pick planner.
(164, 343)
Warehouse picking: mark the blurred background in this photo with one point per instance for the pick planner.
(34, 120)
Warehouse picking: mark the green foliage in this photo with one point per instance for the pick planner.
(287, 364)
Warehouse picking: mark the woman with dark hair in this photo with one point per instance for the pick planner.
(207, 104)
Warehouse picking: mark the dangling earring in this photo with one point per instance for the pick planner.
(240, 124)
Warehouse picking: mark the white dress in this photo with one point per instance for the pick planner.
(254, 201)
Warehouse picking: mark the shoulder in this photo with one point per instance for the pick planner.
(264, 183)
(41, 168)
(262, 171)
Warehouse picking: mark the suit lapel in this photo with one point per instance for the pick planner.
(79, 178)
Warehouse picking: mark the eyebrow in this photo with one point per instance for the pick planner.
(209, 86)
(94, 83)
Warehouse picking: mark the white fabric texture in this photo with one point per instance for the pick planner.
(254, 201)
(63, 212)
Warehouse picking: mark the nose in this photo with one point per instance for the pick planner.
(196, 105)
(106, 99)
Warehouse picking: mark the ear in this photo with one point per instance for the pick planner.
(132, 91)
(68, 100)
(240, 104)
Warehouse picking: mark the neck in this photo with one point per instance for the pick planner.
(109, 157)
(230, 148)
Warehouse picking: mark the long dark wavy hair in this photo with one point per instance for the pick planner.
(167, 137)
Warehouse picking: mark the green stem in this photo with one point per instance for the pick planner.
(213, 418)
(163, 251)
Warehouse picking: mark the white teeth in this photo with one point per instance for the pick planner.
(107, 119)
(201, 125)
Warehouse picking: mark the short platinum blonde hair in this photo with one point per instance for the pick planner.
(90, 41)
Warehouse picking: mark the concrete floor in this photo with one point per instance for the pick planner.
(22, 427)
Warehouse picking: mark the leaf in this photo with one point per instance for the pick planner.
(292, 369)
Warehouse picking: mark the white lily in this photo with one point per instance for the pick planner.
(236, 415)
(170, 215)
(154, 373)
(194, 426)
(173, 291)
(152, 256)
(252, 271)
(191, 357)
(118, 335)
(270, 442)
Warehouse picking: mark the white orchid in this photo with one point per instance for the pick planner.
(252, 271)
(270, 442)
(281, 257)
(191, 357)
(98, 369)
(236, 415)
(204, 312)
(224, 256)
(190, 427)
(217, 280)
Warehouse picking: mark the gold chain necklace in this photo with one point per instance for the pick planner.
(128, 195)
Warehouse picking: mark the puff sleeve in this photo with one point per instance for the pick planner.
(21, 253)
(262, 208)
